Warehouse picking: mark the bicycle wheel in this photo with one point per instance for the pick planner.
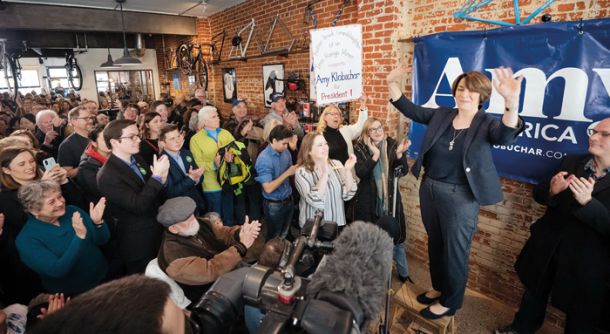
(202, 73)
(15, 67)
(183, 58)
(75, 76)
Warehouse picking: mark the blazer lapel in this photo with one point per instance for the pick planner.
(443, 126)
(125, 172)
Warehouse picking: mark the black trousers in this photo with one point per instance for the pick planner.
(450, 214)
(580, 319)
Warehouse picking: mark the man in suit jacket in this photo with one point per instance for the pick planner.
(567, 255)
(132, 191)
(184, 174)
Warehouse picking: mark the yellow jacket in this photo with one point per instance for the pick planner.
(204, 150)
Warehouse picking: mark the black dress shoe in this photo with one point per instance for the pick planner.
(426, 313)
(423, 299)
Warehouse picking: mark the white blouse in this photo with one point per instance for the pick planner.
(332, 201)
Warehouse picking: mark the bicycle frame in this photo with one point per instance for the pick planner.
(472, 6)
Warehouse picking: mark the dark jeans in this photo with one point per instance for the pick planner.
(278, 217)
(233, 208)
(214, 200)
(450, 214)
(254, 201)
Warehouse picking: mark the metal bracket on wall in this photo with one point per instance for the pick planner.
(215, 52)
(238, 49)
(286, 50)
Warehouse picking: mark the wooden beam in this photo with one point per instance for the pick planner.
(75, 19)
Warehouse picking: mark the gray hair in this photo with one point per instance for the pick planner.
(33, 194)
(45, 112)
(205, 112)
(210, 215)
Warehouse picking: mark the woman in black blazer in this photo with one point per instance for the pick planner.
(459, 174)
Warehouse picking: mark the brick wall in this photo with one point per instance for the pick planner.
(387, 24)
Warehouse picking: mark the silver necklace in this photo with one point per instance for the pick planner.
(456, 133)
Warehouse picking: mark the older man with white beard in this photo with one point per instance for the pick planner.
(195, 252)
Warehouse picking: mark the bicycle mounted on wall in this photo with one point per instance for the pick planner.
(190, 60)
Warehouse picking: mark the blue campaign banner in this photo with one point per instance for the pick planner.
(566, 86)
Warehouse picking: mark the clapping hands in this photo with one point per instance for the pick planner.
(79, 227)
(249, 232)
(402, 147)
(97, 211)
(160, 167)
(195, 174)
(350, 162)
(56, 302)
(581, 187)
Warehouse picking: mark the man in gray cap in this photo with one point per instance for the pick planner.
(195, 251)
(282, 115)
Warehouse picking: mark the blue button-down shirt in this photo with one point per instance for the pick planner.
(269, 166)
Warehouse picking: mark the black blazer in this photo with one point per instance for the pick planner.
(572, 241)
(180, 184)
(133, 203)
(485, 130)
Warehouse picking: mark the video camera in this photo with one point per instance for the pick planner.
(280, 294)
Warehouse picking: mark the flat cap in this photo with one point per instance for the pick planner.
(176, 210)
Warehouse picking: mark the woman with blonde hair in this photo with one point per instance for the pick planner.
(378, 157)
(338, 136)
(323, 183)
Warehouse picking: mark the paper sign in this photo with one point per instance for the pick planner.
(336, 56)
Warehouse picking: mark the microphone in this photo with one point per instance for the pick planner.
(359, 267)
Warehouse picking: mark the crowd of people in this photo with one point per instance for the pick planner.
(170, 189)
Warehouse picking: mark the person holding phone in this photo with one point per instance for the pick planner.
(460, 174)
(18, 168)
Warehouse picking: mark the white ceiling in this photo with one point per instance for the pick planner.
(171, 7)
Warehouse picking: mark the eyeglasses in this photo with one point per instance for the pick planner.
(91, 118)
(592, 132)
(333, 114)
(377, 129)
(133, 137)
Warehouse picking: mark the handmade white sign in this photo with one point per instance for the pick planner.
(336, 68)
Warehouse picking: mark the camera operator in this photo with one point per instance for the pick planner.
(194, 252)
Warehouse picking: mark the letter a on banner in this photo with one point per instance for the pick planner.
(336, 64)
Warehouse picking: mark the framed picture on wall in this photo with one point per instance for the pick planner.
(229, 84)
(273, 81)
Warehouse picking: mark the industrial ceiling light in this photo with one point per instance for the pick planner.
(109, 63)
(126, 60)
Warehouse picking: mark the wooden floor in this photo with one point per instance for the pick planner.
(478, 315)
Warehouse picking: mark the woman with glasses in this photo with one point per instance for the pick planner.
(61, 242)
(338, 136)
(378, 156)
(460, 174)
(18, 167)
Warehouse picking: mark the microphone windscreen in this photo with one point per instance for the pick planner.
(390, 225)
(360, 266)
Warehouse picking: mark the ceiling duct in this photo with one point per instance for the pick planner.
(140, 48)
